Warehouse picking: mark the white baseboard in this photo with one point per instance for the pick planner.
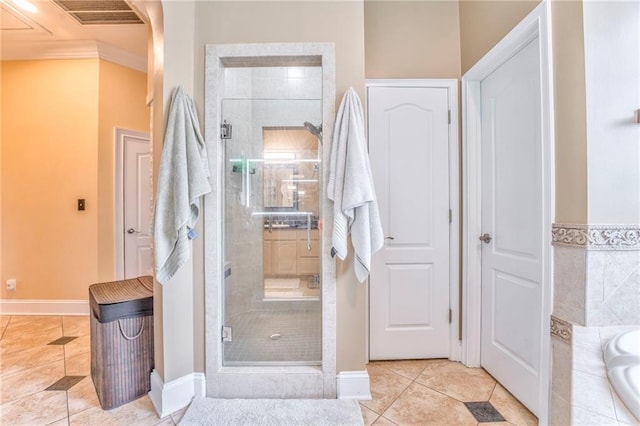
(353, 385)
(167, 398)
(43, 307)
(199, 384)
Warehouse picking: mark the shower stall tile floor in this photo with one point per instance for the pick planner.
(278, 337)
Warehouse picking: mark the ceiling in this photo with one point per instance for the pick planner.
(55, 28)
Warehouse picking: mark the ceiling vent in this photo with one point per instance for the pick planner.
(100, 12)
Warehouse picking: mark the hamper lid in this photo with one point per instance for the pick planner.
(121, 299)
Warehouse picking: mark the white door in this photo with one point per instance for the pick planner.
(136, 205)
(512, 217)
(409, 282)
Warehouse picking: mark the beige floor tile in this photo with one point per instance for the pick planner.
(77, 346)
(40, 408)
(368, 416)
(28, 382)
(82, 396)
(383, 421)
(21, 324)
(29, 358)
(78, 365)
(457, 381)
(409, 368)
(167, 421)
(75, 326)
(139, 412)
(15, 342)
(385, 387)
(178, 415)
(62, 422)
(421, 405)
(4, 322)
(510, 408)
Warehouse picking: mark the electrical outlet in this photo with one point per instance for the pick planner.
(11, 284)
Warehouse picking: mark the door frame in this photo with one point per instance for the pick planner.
(118, 188)
(536, 24)
(454, 202)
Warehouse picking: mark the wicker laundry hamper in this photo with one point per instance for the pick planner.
(121, 339)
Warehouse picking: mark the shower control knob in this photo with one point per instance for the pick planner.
(486, 238)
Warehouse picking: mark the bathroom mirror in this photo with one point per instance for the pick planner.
(280, 189)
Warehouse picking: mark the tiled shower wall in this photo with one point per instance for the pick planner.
(596, 293)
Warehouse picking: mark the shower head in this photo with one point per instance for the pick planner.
(314, 130)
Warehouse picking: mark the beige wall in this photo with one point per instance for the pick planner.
(570, 112)
(412, 39)
(50, 154)
(58, 118)
(485, 23)
(121, 103)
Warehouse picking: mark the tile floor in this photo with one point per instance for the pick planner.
(45, 379)
(438, 392)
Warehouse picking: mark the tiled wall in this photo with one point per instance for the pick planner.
(613, 288)
(596, 295)
(597, 274)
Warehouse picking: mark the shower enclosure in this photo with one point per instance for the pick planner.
(272, 166)
(270, 280)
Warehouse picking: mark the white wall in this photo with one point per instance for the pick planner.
(612, 74)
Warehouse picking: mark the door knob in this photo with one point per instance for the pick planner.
(486, 238)
(132, 231)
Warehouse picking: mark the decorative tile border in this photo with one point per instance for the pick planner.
(597, 237)
(561, 329)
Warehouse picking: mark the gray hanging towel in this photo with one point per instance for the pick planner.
(350, 187)
(182, 180)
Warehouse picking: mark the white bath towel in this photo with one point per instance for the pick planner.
(182, 180)
(350, 186)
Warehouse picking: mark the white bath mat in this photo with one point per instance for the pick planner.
(282, 283)
(259, 412)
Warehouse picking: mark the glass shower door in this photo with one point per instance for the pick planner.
(272, 169)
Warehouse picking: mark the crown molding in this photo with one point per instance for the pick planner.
(597, 237)
(72, 49)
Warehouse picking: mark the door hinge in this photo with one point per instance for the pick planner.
(450, 216)
(227, 334)
(450, 316)
(449, 116)
(225, 130)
